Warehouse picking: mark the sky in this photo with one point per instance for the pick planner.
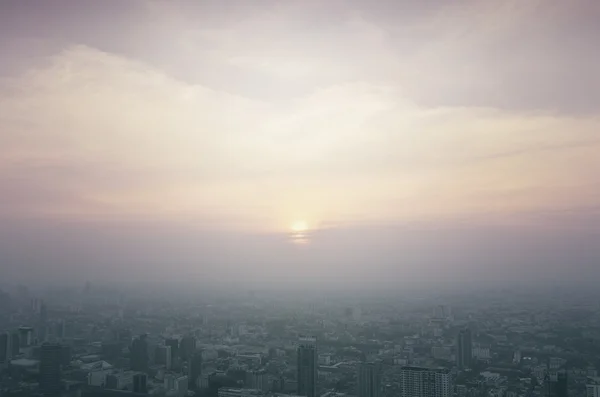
(339, 143)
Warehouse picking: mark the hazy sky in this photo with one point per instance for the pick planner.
(453, 140)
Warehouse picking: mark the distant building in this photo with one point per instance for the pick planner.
(557, 384)
(50, 369)
(307, 367)
(424, 382)
(181, 386)
(174, 344)
(369, 380)
(258, 380)
(5, 348)
(139, 354)
(25, 336)
(236, 392)
(140, 383)
(593, 387)
(187, 347)
(163, 356)
(464, 349)
(195, 370)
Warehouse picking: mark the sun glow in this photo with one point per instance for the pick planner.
(299, 226)
(299, 233)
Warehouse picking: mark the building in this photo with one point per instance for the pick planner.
(50, 371)
(464, 349)
(593, 387)
(5, 348)
(163, 356)
(187, 347)
(195, 370)
(140, 383)
(139, 354)
(557, 384)
(25, 336)
(120, 380)
(258, 380)
(174, 344)
(369, 380)
(307, 366)
(424, 382)
(181, 386)
(235, 392)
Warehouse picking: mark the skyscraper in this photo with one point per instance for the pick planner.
(369, 380)
(174, 344)
(187, 347)
(140, 382)
(5, 348)
(195, 370)
(307, 367)
(50, 371)
(464, 349)
(139, 354)
(163, 356)
(424, 382)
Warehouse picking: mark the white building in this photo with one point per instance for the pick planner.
(425, 382)
(593, 387)
(235, 392)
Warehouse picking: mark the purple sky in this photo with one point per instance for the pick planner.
(431, 141)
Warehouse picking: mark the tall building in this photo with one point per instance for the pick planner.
(25, 336)
(174, 344)
(464, 349)
(195, 370)
(593, 386)
(557, 384)
(163, 356)
(257, 380)
(369, 380)
(15, 343)
(187, 347)
(139, 354)
(307, 367)
(43, 323)
(50, 371)
(140, 383)
(5, 348)
(181, 386)
(424, 382)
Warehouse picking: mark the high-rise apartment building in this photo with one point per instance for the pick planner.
(195, 370)
(50, 371)
(369, 379)
(163, 356)
(424, 382)
(464, 349)
(307, 367)
(140, 383)
(139, 354)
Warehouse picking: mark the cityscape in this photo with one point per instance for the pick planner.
(299, 198)
(100, 341)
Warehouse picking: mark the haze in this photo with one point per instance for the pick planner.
(302, 143)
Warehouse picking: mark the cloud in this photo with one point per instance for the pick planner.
(92, 133)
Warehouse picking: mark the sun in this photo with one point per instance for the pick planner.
(299, 226)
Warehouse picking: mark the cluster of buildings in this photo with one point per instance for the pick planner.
(248, 347)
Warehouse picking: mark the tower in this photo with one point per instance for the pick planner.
(307, 367)
(464, 349)
(140, 383)
(139, 354)
(424, 382)
(195, 370)
(50, 371)
(369, 380)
